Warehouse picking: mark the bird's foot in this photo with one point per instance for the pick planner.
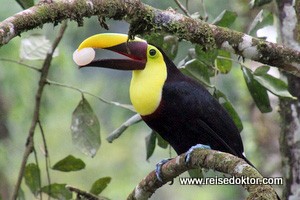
(197, 146)
(158, 168)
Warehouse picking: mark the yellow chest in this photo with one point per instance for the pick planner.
(146, 87)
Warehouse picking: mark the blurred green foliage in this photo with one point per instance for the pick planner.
(124, 159)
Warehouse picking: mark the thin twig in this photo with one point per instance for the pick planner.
(84, 194)
(182, 8)
(118, 132)
(187, 4)
(42, 82)
(47, 157)
(204, 10)
(128, 107)
(21, 63)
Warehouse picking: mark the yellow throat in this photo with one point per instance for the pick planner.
(146, 85)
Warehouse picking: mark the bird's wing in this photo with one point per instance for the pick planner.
(206, 119)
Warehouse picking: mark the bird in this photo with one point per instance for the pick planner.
(177, 107)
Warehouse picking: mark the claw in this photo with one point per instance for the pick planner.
(197, 146)
(158, 168)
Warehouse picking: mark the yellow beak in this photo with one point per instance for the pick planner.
(106, 40)
(135, 50)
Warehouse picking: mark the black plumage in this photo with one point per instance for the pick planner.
(188, 115)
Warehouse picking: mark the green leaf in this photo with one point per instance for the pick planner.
(191, 55)
(57, 191)
(35, 47)
(207, 57)
(196, 173)
(170, 46)
(21, 194)
(68, 164)
(257, 91)
(198, 71)
(99, 185)
(274, 85)
(161, 142)
(258, 3)
(156, 39)
(25, 3)
(262, 20)
(225, 19)
(261, 70)
(85, 129)
(168, 43)
(224, 62)
(150, 144)
(230, 109)
(32, 178)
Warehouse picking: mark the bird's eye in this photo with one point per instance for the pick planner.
(152, 52)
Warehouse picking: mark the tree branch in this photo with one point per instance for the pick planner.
(46, 153)
(182, 8)
(203, 158)
(35, 118)
(21, 63)
(145, 19)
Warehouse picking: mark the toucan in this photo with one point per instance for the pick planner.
(177, 107)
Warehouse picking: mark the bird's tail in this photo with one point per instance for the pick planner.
(248, 161)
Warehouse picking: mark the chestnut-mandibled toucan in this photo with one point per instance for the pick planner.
(177, 107)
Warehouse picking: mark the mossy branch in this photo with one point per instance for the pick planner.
(203, 158)
(145, 19)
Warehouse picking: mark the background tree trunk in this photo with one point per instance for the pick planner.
(290, 109)
(3, 115)
(4, 134)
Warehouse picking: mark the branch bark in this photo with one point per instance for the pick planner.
(210, 159)
(144, 19)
